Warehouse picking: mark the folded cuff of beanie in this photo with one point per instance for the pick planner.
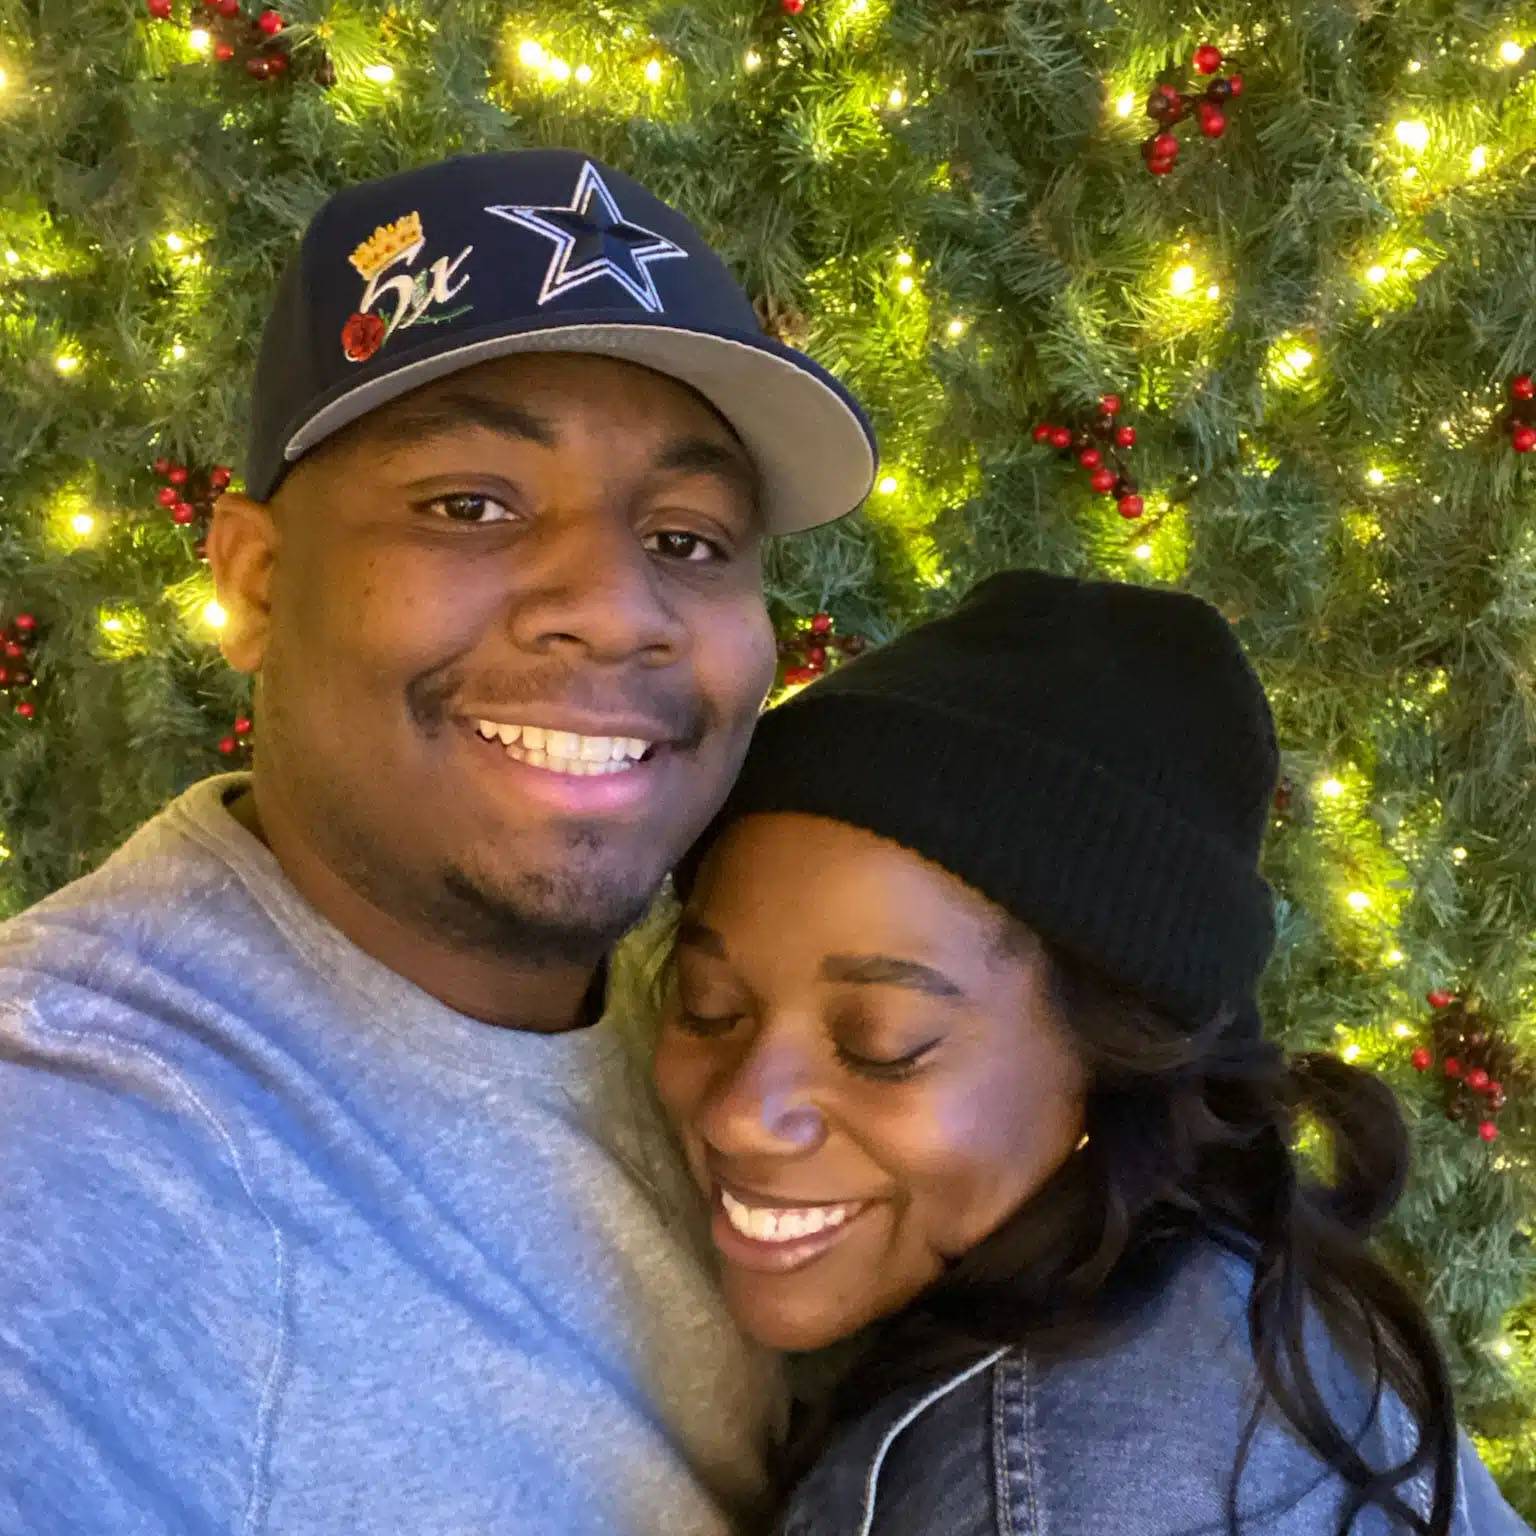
(1106, 870)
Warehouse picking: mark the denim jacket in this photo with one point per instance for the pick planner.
(1136, 1438)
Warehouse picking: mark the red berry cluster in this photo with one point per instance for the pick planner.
(792, 7)
(188, 495)
(239, 739)
(1476, 1063)
(1521, 418)
(1097, 447)
(238, 35)
(16, 639)
(812, 647)
(1168, 106)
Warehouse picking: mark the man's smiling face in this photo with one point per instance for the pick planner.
(513, 646)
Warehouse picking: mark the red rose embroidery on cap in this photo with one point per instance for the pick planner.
(362, 336)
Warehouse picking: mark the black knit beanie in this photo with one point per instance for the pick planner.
(1096, 758)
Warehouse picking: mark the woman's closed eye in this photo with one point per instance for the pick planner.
(886, 1068)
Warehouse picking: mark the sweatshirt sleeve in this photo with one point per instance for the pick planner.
(142, 1292)
(1481, 1509)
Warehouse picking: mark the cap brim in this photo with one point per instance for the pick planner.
(812, 446)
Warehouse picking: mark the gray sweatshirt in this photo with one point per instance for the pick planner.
(286, 1246)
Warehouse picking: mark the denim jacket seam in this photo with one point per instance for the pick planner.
(1013, 1437)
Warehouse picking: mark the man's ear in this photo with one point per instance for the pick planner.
(242, 549)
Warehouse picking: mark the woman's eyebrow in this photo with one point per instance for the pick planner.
(888, 971)
(699, 935)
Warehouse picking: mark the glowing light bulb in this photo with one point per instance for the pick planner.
(1510, 51)
(1376, 476)
(1213, 292)
(752, 61)
(1401, 1030)
(1412, 133)
(560, 70)
(11, 258)
(175, 244)
(67, 363)
(112, 625)
(199, 39)
(955, 329)
(531, 53)
(1126, 104)
(5, 79)
(1351, 1052)
(905, 285)
(583, 74)
(1330, 789)
(1376, 273)
(1415, 65)
(215, 616)
(1459, 855)
(1183, 280)
(380, 74)
(82, 523)
(1504, 1349)
(1143, 551)
(178, 352)
(897, 98)
(1477, 161)
(1395, 957)
(1358, 901)
(888, 484)
(904, 258)
(653, 71)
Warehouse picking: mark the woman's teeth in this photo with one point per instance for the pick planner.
(565, 751)
(781, 1226)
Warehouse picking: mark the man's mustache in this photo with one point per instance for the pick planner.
(432, 697)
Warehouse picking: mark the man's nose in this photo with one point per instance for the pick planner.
(587, 585)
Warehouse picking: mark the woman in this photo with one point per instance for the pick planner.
(963, 1052)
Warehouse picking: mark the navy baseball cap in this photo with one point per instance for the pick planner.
(415, 276)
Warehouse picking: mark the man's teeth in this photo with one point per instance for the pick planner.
(781, 1226)
(565, 751)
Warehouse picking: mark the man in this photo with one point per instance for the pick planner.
(325, 1204)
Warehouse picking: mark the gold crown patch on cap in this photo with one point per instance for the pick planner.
(386, 243)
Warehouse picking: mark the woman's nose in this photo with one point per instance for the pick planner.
(763, 1103)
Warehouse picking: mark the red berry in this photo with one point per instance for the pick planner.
(1495, 1088)
(1452, 1067)
(1439, 998)
(178, 474)
(167, 496)
(223, 52)
(270, 23)
(277, 63)
(1165, 147)
(5, 677)
(228, 745)
(1421, 1059)
(1234, 85)
(229, 8)
(1126, 437)
(1488, 1131)
(25, 623)
(816, 656)
(1168, 92)
(183, 513)
(792, 7)
(257, 68)
(1109, 404)
(1213, 123)
(1160, 167)
(798, 677)
(1061, 437)
(243, 726)
(13, 651)
(1523, 438)
(1043, 432)
(220, 477)
(160, 9)
(1476, 1079)
(1103, 481)
(1523, 387)
(821, 624)
(27, 709)
(1090, 458)
(1131, 506)
(1207, 59)
(162, 466)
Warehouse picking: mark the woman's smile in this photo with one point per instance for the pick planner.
(773, 1237)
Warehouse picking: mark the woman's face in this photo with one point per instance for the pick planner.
(861, 1056)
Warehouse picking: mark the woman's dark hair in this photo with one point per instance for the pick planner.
(1193, 1137)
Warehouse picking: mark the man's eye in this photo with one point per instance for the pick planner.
(467, 507)
(673, 544)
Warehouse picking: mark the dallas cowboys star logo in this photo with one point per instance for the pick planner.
(593, 239)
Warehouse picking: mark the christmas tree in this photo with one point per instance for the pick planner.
(1293, 249)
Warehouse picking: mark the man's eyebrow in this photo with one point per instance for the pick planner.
(888, 971)
(697, 935)
(444, 415)
(704, 456)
